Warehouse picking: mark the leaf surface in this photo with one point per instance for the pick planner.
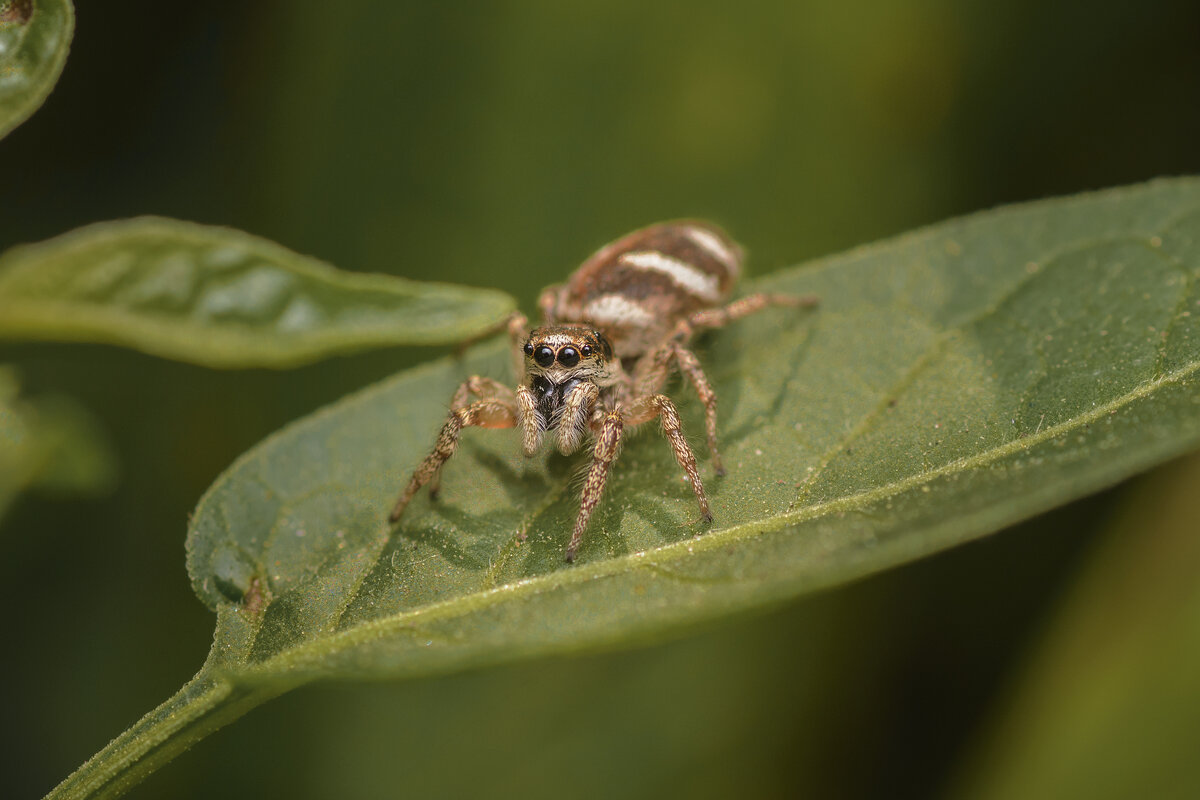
(220, 297)
(51, 443)
(953, 381)
(35, 36)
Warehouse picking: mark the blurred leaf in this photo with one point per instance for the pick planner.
(34, 38)
(50, 443)
(1110, 705)
(220, 297)
(953, 381)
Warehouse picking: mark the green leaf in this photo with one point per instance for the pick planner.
(35, 36)
(1110, 705)
(222, 298)
(953, 381)
(50, 443)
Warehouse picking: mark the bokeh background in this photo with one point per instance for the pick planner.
(497, 144)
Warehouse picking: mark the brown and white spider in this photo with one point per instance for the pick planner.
(613, 333)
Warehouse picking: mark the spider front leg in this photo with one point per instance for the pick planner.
(494, 411)
(608, 442)
(482, 388)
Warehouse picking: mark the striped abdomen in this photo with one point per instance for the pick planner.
(637, 288)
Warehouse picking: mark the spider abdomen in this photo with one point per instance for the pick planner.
(639, 287)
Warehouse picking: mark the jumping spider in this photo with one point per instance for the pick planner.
(613, 333)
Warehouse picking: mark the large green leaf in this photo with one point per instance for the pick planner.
(34, 38)
(220, 297)
(952, 381)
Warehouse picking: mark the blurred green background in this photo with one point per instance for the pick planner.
(498, 144)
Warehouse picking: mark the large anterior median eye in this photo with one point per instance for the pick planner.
(568, 356)
(544, 356)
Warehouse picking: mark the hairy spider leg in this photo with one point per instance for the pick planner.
(745, 306)
(608, 443)
(487, 412)
(654, 368)
(660, 406)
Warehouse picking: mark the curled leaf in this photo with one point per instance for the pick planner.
(35, 36)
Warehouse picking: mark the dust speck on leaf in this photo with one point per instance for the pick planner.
(256, 599)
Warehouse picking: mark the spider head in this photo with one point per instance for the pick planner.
(562, 352)
(560, 357)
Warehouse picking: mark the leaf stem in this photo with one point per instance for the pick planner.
(204, 704)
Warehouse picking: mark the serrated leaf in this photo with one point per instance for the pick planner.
(953, 381)
(35, 36)
(220, 297)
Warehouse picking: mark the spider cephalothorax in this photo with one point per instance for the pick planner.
(567, 369)
(615, 331)
(559, 358)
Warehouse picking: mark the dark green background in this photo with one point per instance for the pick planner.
(496, 145)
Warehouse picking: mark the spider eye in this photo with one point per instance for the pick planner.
(568, 356)
(586, 350)
(544, 356)
(529, 348)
